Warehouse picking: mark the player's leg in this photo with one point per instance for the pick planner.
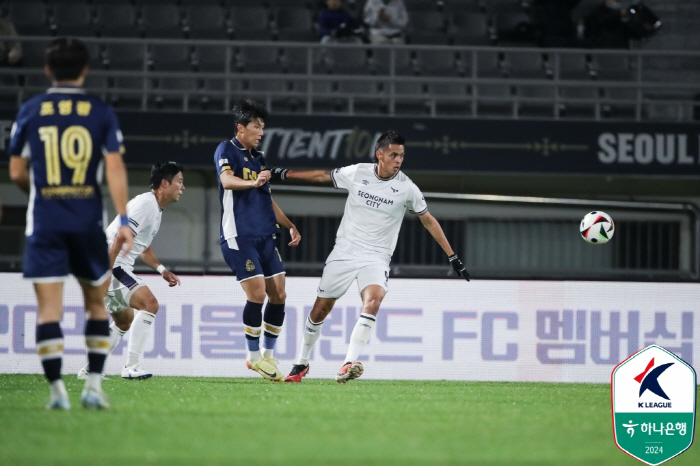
(145, 305)
(312, 331)
(273, 317)
(373, 282)
(338, 275)
(241, 254)
(46, 264)
(97, 342)
(49, 340)
(122, 315)
(89, 263)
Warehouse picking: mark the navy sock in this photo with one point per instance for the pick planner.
(97, 342)
(252, 323)
(272, 323)
(49, 347)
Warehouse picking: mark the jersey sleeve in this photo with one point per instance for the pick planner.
(18, 135)
(342, 177)
(225, 159)
(139, 214)
(416, 201)
(114, 141)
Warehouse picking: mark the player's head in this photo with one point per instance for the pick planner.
(389, 153)
(249, 117)
(167, 182)
(66, 60)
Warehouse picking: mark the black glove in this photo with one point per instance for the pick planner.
(278, 173)
(458, 266)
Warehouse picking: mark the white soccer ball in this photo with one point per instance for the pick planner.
(597, 227)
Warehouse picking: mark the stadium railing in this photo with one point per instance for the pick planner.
(497, 81)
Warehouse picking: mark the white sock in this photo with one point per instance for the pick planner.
(58, 389)
(94, 380)
(360, 336)
(254, 356)
(115, 334)
(140, 331)
(312, 331)
(267, 353)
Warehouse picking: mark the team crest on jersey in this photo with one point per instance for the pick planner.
(245, 158)
(249, 266)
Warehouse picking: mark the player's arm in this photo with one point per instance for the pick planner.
(149, 258)
(232, 182)
(118, 189)
(286, 223)
(313, 176)
(19, 173)
(433, 226)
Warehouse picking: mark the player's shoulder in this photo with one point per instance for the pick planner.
(144, 201)
(31, 107)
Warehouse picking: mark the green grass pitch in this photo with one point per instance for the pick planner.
(222, 421)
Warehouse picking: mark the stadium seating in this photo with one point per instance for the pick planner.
(433, 25)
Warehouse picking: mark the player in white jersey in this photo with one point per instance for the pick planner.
(379, 195)
(127, 293)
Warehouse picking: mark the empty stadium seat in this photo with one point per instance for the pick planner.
(428, 27)
(212, 58)
(161, 20)
(116, 20)
(294, 24)
(170, 57)
(436, 62)
(206, 22)
(258, 59)
(126, 56)
(73, 19)
(30, 17)
(250, 23)
(468, 28)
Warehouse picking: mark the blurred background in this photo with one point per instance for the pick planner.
(520, 117)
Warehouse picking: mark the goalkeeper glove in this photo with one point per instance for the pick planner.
(458, 267)
(278, 173)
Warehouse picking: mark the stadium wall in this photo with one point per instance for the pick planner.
(555, 331)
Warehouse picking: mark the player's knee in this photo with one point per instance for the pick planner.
(278, 298)
(257, 296)
(152, 306)
(123, 326)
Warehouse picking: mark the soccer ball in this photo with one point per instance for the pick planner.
(597, 227)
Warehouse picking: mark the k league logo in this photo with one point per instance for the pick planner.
(653, 404)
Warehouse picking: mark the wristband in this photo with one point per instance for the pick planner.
(124, 220)
(160, 269)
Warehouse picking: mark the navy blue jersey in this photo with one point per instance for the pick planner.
(65, 133)
(245, 212)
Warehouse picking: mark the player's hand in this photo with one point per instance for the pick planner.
(459, 267)
(125, 236)
(278, 174)
(263, 177)
(171, 278)
(296, 237)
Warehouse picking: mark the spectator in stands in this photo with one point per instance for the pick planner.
(10, 50)
(607, 26)
(336, 25)
(387, 20)
(555, 26)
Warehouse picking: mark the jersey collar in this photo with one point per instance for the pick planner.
(237, 144)
(374, 171)
(64, 89)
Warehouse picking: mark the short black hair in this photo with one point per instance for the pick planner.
(164, 171)
(390, 137)
(247, 110)
(66, 58)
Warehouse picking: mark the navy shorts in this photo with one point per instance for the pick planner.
(50, 256)
(255, 256)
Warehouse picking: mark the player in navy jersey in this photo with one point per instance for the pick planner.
(249, 225)
(60, 143)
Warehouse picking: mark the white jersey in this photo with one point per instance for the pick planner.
(144, 220)
(374, 209)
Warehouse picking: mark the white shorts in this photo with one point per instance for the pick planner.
(122, 287)
(342, 268)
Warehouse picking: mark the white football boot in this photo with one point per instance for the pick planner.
(135, 372)
(94, 398)
(83, 374)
